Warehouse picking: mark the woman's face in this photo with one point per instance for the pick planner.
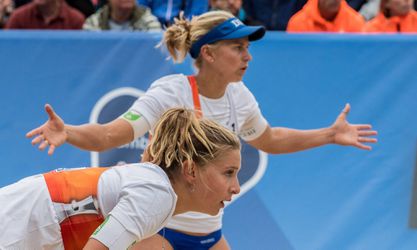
(231, 59)
(122, 4)
(399, 7)
(329, 5)
(217, 182)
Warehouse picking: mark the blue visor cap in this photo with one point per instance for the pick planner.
(232, 28)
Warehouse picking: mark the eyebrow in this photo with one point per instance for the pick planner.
(232, 167)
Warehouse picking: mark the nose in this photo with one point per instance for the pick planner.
(247, 56)
(235, 188)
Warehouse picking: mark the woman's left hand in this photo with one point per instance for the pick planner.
(352, 134)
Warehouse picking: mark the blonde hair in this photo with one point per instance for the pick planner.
(180, 136)
(179, 37)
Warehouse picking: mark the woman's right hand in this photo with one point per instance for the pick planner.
(52, 133)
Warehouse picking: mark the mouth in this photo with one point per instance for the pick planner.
(225, 202)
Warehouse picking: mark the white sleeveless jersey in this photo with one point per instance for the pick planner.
(237, 110)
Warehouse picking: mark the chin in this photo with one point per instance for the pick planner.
(212, 212)
(236, 79)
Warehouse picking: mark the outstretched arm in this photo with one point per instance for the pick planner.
(92, 137)
(284, 140)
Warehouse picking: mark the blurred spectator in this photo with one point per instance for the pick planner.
(45, 14)
(87, 7)
(369, 8)
(326, 16)
(122, 15)
(6, 9)
(394, 16)
(232, 6)
(273, 14)
(167, 10)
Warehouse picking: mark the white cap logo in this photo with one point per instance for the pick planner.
(237, 22)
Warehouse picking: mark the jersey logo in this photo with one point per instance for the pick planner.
(116, 102)
(131, 116)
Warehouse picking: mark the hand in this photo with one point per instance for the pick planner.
(51, 133)
(352, 134)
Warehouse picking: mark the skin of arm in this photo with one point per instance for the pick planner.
(92, 137)
(100, 137)
(284, 140)
(93, 244)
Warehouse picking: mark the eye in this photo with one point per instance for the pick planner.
(242, 48)
(239, 47)
(229, 173)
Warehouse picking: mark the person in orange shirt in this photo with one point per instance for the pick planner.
(394, 16)
(326, 16)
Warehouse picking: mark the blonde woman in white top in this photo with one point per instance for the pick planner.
(64, 208)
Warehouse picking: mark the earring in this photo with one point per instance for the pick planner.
(192, 188)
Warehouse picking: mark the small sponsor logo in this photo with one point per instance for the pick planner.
(207, 241)
(131, 116)
(237, 22)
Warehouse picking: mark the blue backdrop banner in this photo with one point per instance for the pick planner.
(331, 197)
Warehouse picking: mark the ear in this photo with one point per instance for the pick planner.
(189, 170)
(145, 156)
(207, 54)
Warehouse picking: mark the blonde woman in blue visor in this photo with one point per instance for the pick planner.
(219, 44)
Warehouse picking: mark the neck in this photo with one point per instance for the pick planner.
(184, 200)
(210, 84)
(121, 15)
(50, 11)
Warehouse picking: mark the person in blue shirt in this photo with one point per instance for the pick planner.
(167, 10)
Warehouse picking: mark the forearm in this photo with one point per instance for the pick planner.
(97, 137)
(285, 140)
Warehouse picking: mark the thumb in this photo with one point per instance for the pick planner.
(346, 109)
(50, 111)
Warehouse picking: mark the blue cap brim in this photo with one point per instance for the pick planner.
(232, 28)
(253, 33)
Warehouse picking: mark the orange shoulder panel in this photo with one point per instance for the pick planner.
(73, 184)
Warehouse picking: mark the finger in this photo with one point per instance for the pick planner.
(363, 146)
(37, 140)
(43, 145)
(367, 132)
(50, 111)
(346, 109)
(362, 126)
(51, 149)
(33, 132)
(367, 139)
